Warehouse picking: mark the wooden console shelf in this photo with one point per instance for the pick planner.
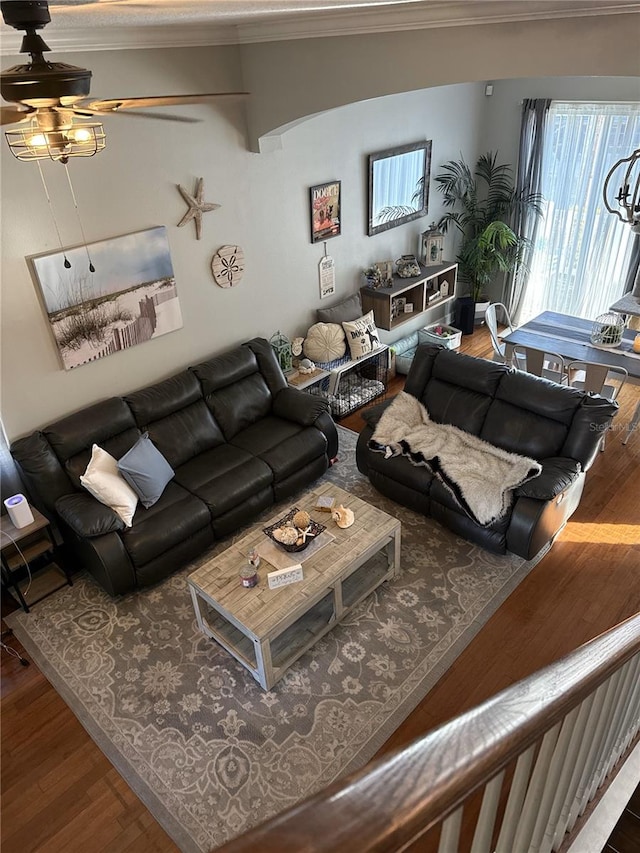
(433, 287)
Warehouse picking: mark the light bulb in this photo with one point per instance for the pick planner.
(38, 140)
(80, 134)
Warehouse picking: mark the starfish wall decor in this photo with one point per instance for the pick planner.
(197, 206)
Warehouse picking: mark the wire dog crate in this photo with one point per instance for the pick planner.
(353, 384)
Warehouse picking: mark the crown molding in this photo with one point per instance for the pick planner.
(337, 22)
(423, 16)
(74, 40)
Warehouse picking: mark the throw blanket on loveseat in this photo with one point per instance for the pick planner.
(480, 475)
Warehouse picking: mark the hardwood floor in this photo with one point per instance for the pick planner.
(59, 793)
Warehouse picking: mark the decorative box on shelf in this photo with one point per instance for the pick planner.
(447, 336)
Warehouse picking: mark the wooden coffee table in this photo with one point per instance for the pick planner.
(267, 630)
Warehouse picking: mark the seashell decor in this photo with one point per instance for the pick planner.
(343, 516)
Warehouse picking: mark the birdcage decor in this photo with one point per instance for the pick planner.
(607, 330)
(282, 348)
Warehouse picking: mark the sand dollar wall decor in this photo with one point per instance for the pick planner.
(227, 265)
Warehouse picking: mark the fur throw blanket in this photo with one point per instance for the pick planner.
(480, 475)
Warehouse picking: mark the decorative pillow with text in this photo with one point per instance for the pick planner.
(362, 335)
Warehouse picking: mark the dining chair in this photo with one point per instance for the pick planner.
(549, 365)
(491, 320)
(596, 378)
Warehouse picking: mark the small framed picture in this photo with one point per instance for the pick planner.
(398, 306)
(408, 308)
(385, 268)
(324, 201)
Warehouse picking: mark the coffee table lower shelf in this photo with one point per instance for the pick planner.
(268, 658)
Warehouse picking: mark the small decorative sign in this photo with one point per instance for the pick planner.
(283, 577)
(327, 275)
(227, 265)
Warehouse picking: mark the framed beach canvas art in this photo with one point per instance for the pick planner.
(129, 298)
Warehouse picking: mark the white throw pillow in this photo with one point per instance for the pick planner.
(324, 342)
(362, 335)
(103, 480)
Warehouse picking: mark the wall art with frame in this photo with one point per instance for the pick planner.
(324, 203)
(130, 297)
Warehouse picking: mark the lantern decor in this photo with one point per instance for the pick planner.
(431, 246)
(282, 348)
(607, 330)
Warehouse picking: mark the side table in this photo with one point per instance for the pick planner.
(306, 381)
(23, 545)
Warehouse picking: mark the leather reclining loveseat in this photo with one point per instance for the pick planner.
(238, 438)
(558, 426)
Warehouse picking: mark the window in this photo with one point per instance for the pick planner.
(582, 252)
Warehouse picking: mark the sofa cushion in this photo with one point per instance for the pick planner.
(162, 399)
(520, 431)
(146, 470)
(346, 310)
(224, 477)
(96, 424)
(240, 405)
(440, 494)
(185, 434)
(175, 517)
(103, 480)
(283, 445)
(325, 342)
(463, 407)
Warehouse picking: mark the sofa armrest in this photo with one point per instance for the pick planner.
(372, 414)
(86, 516)
(294, 405)
(557, 474)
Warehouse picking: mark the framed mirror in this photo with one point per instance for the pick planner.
(398, 185)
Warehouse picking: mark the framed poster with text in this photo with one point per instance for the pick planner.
(325, 211)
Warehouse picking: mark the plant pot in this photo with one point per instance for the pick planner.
(465, 314)
(481, 309)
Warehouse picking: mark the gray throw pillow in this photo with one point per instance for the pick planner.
(146, 470)
(344, 312)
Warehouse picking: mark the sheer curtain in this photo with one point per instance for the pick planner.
(581, 253)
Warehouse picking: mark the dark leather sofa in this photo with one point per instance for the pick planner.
(558, 426)
(238, 438)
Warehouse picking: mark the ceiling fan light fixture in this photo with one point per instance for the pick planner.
(32, 143)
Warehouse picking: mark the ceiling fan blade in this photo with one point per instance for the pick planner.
(85, 112)
(11, 115)
(115, 104)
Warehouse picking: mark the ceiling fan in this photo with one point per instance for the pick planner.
(53, 95)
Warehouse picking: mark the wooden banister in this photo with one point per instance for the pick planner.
(392, 802)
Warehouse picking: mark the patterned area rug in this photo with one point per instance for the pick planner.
(207, 750)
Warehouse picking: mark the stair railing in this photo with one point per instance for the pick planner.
(513, 774)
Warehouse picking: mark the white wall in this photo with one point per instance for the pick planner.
(264, 208)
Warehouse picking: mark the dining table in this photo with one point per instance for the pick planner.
(570, 337)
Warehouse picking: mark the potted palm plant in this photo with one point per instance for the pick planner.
(483, 202)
